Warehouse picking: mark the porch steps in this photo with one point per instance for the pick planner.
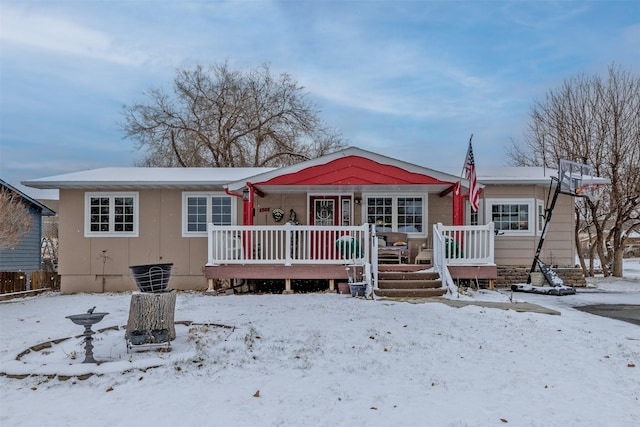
(399, 283)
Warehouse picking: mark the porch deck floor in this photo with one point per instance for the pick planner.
(277, 271)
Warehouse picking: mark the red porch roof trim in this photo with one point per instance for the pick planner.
(352, 170)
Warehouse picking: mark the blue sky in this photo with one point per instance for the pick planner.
(408, 79)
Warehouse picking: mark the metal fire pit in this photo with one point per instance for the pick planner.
(87, 320)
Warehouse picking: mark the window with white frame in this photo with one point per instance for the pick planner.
(512, 216)
(202, 208)
(111, 214)
(474, 218)
(396, 213)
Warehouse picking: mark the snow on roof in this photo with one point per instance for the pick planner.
(127, 177)
(118, 177)
(523, 175)
(515, 175)
(44, 209)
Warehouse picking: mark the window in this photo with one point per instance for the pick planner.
(199, 209)
(403, 214)
(111, 214)
(512, 216)
(346, 211)
(474, 218)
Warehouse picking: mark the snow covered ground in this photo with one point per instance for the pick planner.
(329, 360)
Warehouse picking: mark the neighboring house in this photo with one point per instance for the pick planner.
(26, 254)
(116, 217)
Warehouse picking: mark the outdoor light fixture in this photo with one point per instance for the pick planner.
(246, 196)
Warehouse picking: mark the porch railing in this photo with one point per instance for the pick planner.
(465, 244)
(461, 245)
(288, 244)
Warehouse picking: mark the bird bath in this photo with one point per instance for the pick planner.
(87, 320)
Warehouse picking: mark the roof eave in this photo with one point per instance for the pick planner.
(85, 185)
(43, 209)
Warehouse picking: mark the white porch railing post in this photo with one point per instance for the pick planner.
(288, 228)
(365, 242)
(490, 237)
(210, 244)
(374, 254)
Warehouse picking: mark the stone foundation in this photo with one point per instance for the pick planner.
(511, 275)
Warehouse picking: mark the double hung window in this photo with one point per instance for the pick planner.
(199, 209)
(111, 214)
(513, 216)
(396, 213)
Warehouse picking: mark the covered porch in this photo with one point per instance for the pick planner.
(334, 253)
(325, 198)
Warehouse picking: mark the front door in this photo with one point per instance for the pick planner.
(327, 210)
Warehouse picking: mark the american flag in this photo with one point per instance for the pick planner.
(470, 175)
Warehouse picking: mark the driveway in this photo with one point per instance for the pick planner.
(619, 305)
(625, 312)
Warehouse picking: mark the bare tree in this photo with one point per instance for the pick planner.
(227, 118)
(15, 220)
(593, 120)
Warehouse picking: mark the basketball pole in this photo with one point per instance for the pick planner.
(547, 218)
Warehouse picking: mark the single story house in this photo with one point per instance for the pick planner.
(288, 223)
(26, 255)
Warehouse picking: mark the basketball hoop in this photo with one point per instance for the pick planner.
(593, 192)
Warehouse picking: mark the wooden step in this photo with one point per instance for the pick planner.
(407, 275)
(409, 284)
(400, 267)
(410, 293)
(408, 281)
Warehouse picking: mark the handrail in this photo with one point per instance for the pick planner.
(461, 245)
(440, 260)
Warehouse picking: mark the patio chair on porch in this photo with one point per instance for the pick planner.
(395, 248)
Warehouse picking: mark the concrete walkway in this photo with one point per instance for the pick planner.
(516, 306)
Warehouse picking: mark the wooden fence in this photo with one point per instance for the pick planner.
(45, 279)
(16, 281)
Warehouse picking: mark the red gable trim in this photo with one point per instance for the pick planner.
(352, 170)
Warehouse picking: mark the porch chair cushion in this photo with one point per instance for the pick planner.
(396, 248)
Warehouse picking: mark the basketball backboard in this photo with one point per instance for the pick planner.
(573, 176)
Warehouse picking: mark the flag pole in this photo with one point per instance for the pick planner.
(464, 167)
(469, 173)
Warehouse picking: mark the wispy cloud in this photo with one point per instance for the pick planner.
(55, 33)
